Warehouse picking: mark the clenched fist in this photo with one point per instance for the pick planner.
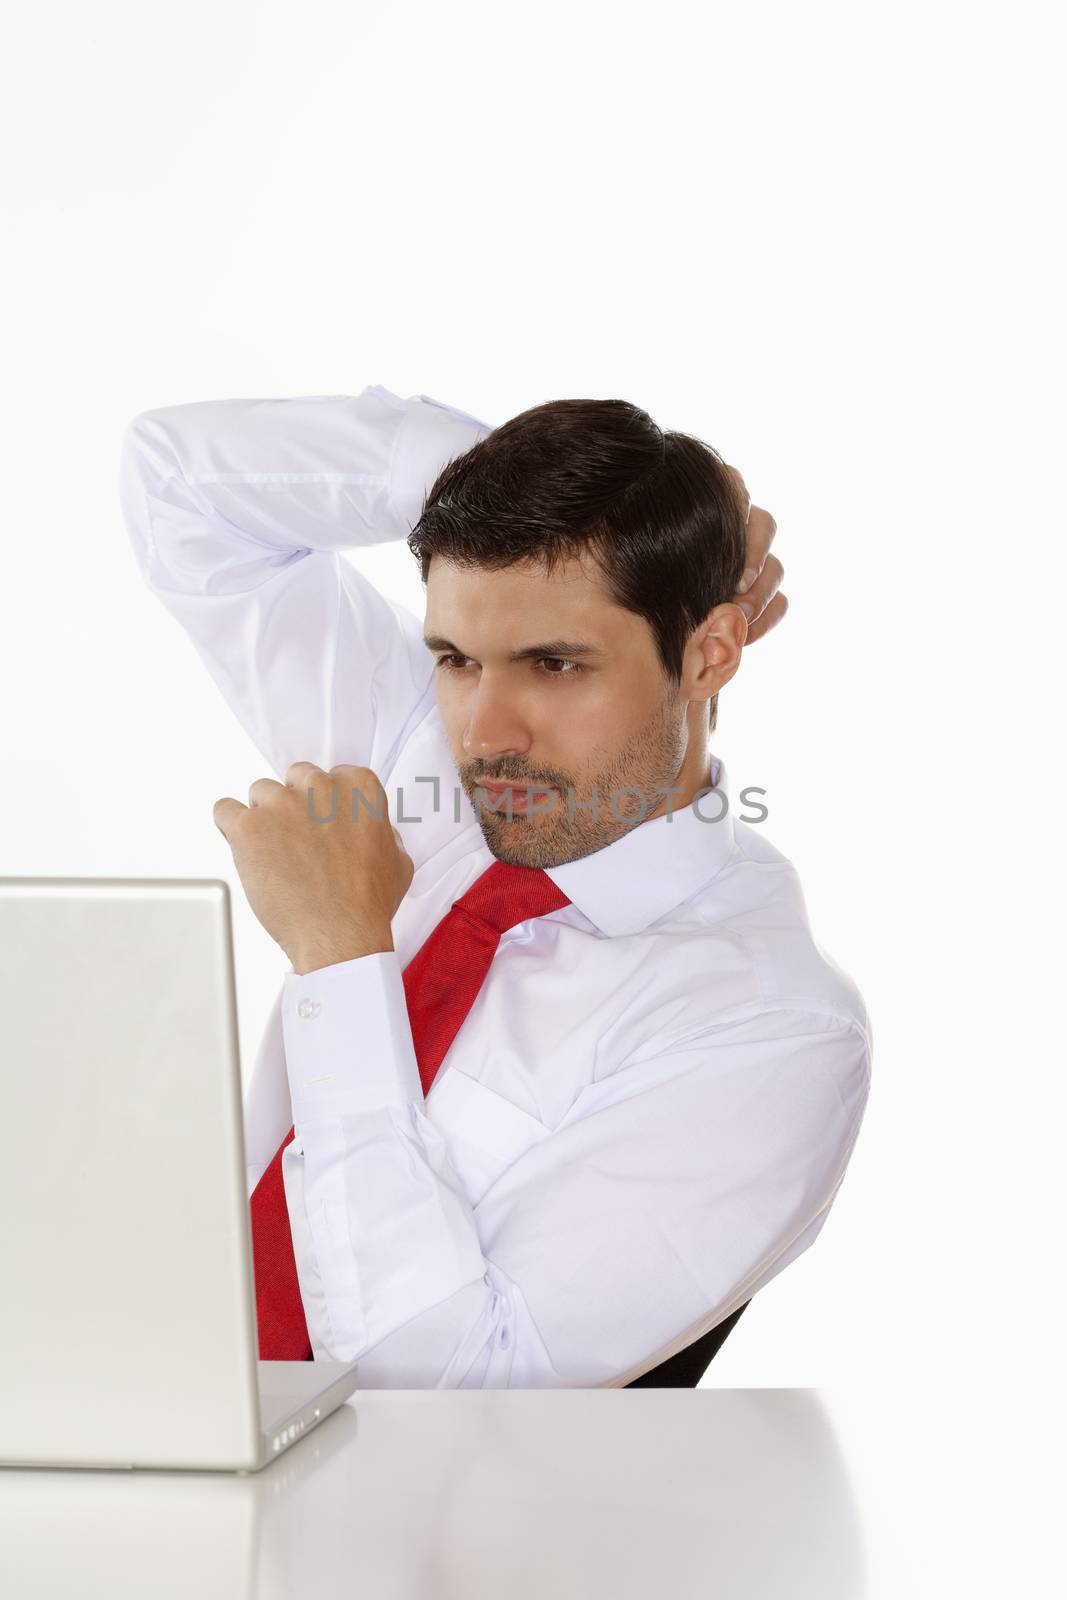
(323, 870)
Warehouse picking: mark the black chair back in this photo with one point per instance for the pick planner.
(685, 1368)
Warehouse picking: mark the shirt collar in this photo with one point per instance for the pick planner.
(654, 866)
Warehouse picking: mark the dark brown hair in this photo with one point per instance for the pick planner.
(660, 513)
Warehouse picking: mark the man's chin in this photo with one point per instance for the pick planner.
(517, 841)
(505, 829)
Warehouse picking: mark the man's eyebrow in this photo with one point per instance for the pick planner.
(552, 647)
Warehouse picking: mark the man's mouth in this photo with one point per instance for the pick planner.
(502, 788)
(519, 793)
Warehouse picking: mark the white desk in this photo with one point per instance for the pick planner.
(746, 1494)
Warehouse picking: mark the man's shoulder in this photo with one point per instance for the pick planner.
(752, 920)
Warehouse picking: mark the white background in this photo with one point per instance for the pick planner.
(827, 240)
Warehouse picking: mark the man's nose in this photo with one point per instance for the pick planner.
(494, 726)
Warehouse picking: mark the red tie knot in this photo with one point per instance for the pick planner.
(504, 895)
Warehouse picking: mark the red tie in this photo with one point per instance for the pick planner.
(440, 984)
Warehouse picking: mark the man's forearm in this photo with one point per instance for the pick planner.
(326, 947)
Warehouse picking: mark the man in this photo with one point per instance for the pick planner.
(555, 1082)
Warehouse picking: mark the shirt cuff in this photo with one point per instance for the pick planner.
(430, 435)
(347, 1036)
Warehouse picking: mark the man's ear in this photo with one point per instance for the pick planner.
(713, 654)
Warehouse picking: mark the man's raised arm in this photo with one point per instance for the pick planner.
(237, 511)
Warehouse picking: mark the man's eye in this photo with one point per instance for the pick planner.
(574, 667)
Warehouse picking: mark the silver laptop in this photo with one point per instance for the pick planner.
(128, 1330)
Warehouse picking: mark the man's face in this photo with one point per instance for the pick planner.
(571, 723)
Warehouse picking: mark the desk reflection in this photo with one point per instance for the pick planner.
(415, 1493)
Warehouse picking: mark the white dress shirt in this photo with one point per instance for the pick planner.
(650, 1106)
